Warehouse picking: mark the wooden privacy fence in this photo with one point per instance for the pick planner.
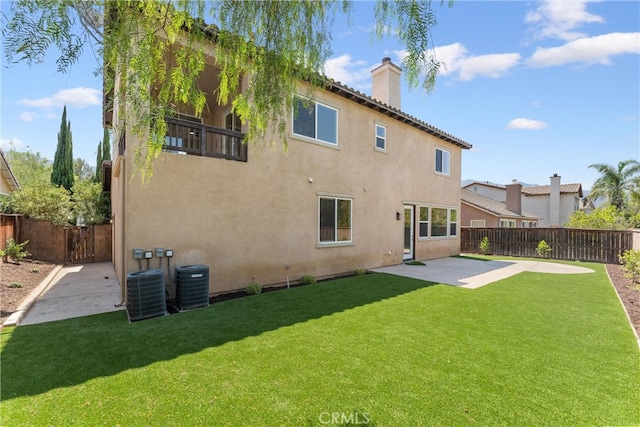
(57, 244)
(604, 246)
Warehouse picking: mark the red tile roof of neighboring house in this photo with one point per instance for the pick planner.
(542, 190)
(534, 190)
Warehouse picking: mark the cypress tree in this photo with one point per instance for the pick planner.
(98, 177)
(104, 153)
(62, 172)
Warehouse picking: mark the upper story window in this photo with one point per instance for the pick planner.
(315, 120)
(442, 161)
(381, 137)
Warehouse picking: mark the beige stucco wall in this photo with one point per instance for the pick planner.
(258, 221)
(471, 213)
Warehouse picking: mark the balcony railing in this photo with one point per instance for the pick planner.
(186, 137)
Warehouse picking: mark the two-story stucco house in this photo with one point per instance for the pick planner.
(551, 204)
(361, 185)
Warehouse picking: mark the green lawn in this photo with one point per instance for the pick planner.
(535, 349)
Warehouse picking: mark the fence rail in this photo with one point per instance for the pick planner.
(603, 246)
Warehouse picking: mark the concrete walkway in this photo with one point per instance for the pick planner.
(75, 291)
(470, 273)
(82, 290)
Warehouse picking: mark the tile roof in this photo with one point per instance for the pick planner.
(363, 99)
(534, 190)
(491, 206)
(541, 190)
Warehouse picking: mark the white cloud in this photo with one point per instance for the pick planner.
(79, 97)
(345, 70)
(522, 123)
(457, 63)
(590, 50)
(561, 19)
(11, 144)
(27, 116)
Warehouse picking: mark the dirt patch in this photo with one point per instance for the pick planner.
(17, 281)
(628, 291)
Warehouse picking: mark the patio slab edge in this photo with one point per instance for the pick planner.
(17, 316)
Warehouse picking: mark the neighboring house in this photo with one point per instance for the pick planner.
(553, 203)
(481, 211)
(8, 181)
(8, 184)
(361, 185)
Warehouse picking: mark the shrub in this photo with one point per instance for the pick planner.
(630, 261)
(308, 279)
(484, 245)
(543, 249)
(359, 272)
(15, 285)
(254, 289)
(15, 251)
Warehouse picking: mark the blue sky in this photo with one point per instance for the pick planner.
(538, 87)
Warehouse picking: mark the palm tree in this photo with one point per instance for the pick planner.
(615, 183)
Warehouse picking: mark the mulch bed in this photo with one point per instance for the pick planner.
(628, 292)
(17, 281)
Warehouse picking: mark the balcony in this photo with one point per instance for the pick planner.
(197, 139)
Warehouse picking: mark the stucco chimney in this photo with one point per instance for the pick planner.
(554, 201)
(386, 83)
(514, 197)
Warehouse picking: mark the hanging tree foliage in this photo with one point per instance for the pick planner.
(276, 43)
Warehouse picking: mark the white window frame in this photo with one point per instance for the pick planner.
(314, 138)
(445, 162)
(382, 138)
(529, 223)
(479, 223)
(450, 222)
(429, 222)
(507, 223)
(335, 242)
(421, 222)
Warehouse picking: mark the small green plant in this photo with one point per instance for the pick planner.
(34, 270)
(359, 272)
(15, 285)
(543, 249)
(254, 289)
(630, 261)
(15, 251)
(484, 245)
(308, 279)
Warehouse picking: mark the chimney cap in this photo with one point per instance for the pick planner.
(386, 59)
